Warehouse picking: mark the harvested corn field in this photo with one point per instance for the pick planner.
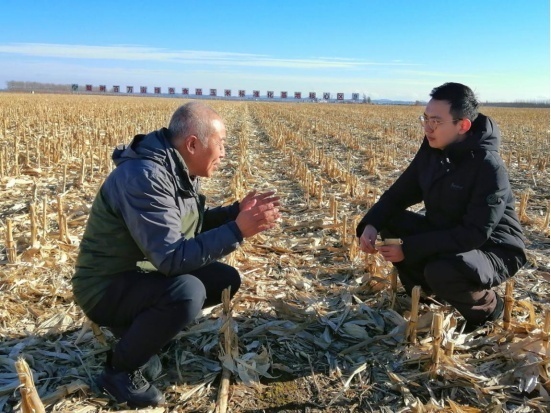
(317, 325)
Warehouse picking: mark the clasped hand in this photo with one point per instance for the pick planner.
(257, 212)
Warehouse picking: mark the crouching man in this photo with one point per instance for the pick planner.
(148, 257)
(470, 238)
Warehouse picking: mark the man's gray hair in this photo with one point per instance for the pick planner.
(193, 118)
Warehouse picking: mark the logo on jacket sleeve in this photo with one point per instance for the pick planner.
(456, 187)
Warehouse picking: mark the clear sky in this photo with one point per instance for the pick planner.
(394, 49)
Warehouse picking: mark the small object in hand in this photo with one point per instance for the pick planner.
(393, 241)
(389, 241)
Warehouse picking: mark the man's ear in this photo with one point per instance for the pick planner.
(190, 143)
(465, 124)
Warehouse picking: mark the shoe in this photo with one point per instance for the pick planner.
(495, 315)
(150, 370)
(131, 388)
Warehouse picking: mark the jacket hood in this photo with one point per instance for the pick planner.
(155, 147)
(483, 135)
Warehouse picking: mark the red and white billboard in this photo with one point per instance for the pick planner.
(102, 88)
(171, 91)
(213, 92)
(283, 95)
(312, 95)
(227, 92)
(129, 89)
(143, 89)
(298, 95)
(271, 94)
(241, 93)
(340, 96)
(198, 92)
(185, 91)
(256, 93)
(116, 89)
(88, 88)
(157, 90)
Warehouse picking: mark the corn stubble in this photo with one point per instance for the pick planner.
(317, 323)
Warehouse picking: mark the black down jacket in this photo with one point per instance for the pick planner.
(467, 196)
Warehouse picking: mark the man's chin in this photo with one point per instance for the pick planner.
(212, 171)
(434, 144)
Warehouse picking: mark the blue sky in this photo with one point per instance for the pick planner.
(384, 49)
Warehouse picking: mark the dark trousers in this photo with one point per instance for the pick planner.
(464, 280)
(147, 310)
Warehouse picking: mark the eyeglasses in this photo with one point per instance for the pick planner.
(433, 123)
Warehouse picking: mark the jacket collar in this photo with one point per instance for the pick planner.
(157, 147)
(484, 135)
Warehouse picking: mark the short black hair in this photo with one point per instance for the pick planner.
(462, 100)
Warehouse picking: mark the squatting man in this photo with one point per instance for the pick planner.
(148, 256)
(469, 239)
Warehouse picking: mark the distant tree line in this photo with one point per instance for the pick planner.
(16, 86)
(520, 104)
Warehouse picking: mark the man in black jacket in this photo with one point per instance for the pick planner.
(470, 238)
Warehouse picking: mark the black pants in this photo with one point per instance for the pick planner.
(464, 280)
(147, 310)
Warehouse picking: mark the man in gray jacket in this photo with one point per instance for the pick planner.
(148, 257)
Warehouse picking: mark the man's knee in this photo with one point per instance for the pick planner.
(187, 290)
(441, 275)
(234, 280)
(221, 276)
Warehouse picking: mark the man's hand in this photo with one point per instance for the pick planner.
(257, 215)
(367, 240)
(392, 253)
(260, 198)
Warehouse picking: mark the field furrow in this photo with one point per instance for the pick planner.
(318, 325)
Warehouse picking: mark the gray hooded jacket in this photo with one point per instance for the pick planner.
(149, 214)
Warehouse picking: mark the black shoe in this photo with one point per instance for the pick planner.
(131, 388)
(150, 370)
(495, 315)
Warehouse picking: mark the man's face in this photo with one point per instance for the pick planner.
(206, 159)
(441, 129)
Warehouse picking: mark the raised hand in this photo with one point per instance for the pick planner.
(257, 216)
(259, 198)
